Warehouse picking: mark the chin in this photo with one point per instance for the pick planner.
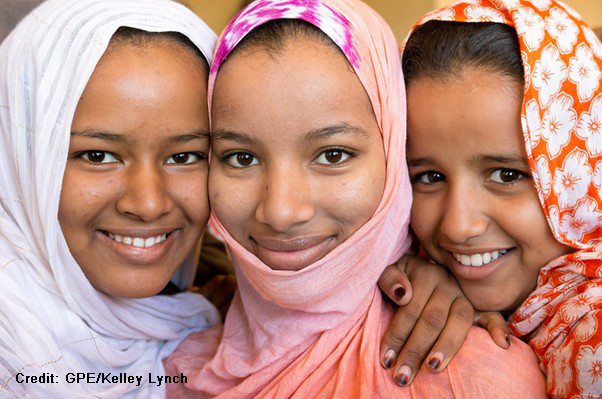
(137, 293)
(489, 302)
(133, 291)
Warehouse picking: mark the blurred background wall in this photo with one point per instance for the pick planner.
(400, 14)
(11, 12)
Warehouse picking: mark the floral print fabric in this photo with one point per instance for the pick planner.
(562, 127)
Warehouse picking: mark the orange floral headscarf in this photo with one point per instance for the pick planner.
(562, 126)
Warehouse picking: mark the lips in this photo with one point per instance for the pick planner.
(477, 265)
(139, 247)
(292, 254)
(140, 242)
(479, 259)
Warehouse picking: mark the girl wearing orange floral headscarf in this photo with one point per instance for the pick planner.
(510, 92)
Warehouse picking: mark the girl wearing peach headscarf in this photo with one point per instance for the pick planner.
(502, 236)
(332, 212)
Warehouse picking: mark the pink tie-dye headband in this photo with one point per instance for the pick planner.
(329, 21)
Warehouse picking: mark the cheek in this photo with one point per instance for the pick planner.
(232, 200)
(423, 219)
(521, 217)
(190, 192)
(355, 197)
(528, 221)
(84, 196)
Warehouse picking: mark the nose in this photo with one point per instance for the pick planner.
(145, 194)
(464, 214)
(285, 199)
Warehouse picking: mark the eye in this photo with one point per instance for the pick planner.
(505, 176)
(98, 156)
(184, 158)
(429, 177)
(240, 160)
(333, 157)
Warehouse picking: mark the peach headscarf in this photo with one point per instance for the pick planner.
(316, 332)
(562, 127)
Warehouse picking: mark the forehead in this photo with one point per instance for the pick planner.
(476, 113)
(160, 62)
(155, 46)
(144, 89)
(307, 80)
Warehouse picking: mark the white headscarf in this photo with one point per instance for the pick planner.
(51, 319)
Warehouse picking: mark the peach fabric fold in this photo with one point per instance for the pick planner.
(316, 332)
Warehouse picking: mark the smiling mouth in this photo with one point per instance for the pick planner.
(480, 259)
(292, 254)
(138, 242)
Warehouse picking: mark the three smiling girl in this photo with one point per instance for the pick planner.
(332, 328)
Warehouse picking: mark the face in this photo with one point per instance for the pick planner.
(134, 195)
(476, 209)
(297, 156)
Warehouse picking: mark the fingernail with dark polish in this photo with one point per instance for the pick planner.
(403, 375)
(398, 293)
(436, 360)
(388, 359)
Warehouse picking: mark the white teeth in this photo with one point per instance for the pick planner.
(481, 259)
(486, 258)
(138, 242)
(476, 260)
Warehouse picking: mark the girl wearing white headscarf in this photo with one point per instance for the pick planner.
(52, 320)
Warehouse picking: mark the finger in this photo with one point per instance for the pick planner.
(497, 327)
(395, 284)
(395, 336)
(426, 332)
(403, 323)
(452, 337)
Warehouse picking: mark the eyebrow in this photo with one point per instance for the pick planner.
(98, 134)
(329, 131)
(313, 135)
(228, 135)
(513, 159)
(186, 137)
(119, 138)
(420, 161)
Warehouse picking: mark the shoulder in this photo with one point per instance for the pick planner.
(482, 366)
